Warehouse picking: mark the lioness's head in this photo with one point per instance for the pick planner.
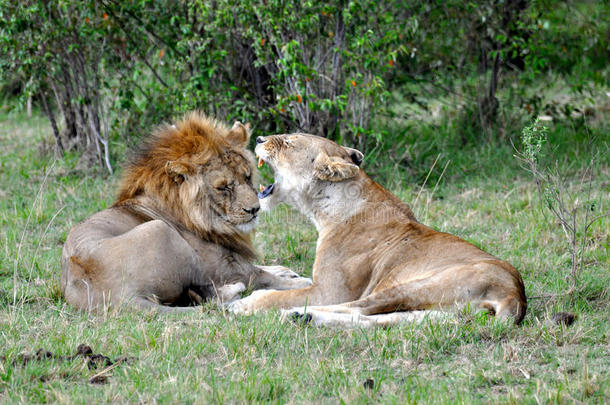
(303, 166)
(199, 173)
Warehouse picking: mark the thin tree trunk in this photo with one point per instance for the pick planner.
(47, 110)
(488, 106)
(28, 105)
(332, 128)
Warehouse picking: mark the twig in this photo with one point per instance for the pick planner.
(426, 179)
(570, 291)
(25, 228)
(41, 238)
(107, 369)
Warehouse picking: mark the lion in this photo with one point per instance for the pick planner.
(178, 232)
(375, 263)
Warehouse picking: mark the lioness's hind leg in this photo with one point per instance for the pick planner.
(468, 287)
(344, 317)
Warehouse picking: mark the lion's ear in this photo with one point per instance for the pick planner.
(239, 135)
(333, 168)
(177, 171)
(355, 154)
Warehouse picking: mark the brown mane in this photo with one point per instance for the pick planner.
(195, 140)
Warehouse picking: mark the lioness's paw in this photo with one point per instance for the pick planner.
(296, 315)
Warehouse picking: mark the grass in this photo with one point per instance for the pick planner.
(212, 356)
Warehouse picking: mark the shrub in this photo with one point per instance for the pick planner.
(575, 213)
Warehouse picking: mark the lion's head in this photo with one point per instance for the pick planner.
(200, 174)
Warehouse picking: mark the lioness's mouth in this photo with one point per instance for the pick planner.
(265, 192)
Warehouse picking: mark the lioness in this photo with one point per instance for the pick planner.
(179, 230)
(372, 255)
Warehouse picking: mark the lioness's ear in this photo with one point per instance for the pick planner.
(333, 168)
(355, 154)
(239, 135)
(177, 171)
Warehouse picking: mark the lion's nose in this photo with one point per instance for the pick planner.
(260, 139)
(253, 210)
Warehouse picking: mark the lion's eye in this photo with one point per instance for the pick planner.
(225, 187)
(248, 178)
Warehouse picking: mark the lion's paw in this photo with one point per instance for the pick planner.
(302, 282)
(280, 271)
(247, 306)
(230, 292)
(291, 280)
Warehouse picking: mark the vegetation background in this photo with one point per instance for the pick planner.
(437, 94)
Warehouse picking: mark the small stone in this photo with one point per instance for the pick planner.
(99, 379)
(369, 383)
(84, 350)
(565, 318)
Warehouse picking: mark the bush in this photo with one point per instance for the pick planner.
(113, 68)
(574, 212)
(55, 50)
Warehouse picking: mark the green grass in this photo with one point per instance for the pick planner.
(212, 356)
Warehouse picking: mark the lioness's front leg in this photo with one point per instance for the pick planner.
(267, 299)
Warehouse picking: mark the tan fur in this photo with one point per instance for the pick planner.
(372, 256)
(179, 230)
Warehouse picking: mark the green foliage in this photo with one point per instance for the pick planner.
(332, 69)
(571, 38)
(326, 63)
(575, 212)
(283, 65)
(56, 49)
(533, 139)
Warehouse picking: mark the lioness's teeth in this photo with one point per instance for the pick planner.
(260, 162)
(261, 188)
(266, 191)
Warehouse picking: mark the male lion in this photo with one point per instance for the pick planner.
(178, 231)
(373, 258)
